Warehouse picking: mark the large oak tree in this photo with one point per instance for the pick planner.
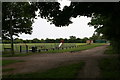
(18, 17)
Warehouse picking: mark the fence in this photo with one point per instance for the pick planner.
(26, 48)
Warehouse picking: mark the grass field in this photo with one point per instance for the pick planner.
(38, 45)
(81, 46)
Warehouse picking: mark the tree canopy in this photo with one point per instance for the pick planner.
(20, 16)
(105, 17)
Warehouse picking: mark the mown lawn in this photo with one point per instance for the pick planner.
(68, 71)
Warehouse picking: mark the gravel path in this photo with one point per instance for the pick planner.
(43, 62)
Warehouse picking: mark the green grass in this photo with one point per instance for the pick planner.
(85, 47)
(7, 62)
(17, 55)
(109, 50)
(110, 68)
(38, 45)
(44, 45)
(9, 69)
(68, 71)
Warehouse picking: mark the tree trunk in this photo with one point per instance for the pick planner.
(11, 35)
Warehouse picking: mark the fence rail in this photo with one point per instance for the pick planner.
(38, 48)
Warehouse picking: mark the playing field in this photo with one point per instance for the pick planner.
(38, 45)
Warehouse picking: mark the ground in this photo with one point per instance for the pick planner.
(45, 61)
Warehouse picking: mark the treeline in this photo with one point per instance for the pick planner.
(72, 39)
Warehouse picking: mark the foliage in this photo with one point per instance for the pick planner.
(17, 16)
(105, 18)
(47, 40)
(20, 16)
(110, 50)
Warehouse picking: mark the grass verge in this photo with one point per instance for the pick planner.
(110, 68)
(9, 69)
(109, 50)
(68, 71)
(17, 55)
(7, 62)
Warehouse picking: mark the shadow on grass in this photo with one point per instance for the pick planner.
(110, 67)
(7, 62)
(68, 71)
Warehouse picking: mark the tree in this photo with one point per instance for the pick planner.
(42, 41)
(35, 40)
(17, 40)
(105, 18)
(78, 40)
(17, 17)
(84, 40)
(72, 39)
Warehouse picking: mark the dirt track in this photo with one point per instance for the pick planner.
(43, 62)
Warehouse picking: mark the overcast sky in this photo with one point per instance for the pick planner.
(42, 29)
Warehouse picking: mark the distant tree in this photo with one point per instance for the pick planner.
(17, 40)
(35, 40)
(6, 41)
(72, 39)
(57, 40)
(65, 40)
(84, 39)
(42, 41)
(78, 40)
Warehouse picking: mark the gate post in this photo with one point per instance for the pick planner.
(27, 48)
(20, 49)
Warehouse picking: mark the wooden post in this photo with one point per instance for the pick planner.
(20, 49)
(27, 48)
(39, 50)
